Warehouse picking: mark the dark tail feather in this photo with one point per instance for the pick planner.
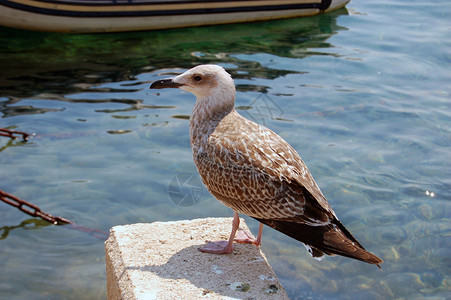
(330, 239)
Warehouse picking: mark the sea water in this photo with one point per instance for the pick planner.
(363, 94)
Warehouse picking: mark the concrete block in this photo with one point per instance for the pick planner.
(161, 261)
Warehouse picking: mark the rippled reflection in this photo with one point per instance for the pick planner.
(35, 63)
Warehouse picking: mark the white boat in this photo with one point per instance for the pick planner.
(83, 16)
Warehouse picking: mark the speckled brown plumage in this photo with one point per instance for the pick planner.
(254, 171)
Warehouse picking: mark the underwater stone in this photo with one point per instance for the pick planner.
(404, 283)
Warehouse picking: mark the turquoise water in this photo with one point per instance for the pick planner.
(363, 94)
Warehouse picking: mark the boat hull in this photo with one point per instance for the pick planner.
(102, 16)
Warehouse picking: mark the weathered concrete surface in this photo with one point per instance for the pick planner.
(161, 261)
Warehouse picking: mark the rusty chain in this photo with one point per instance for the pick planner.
(31, 209)
(13, 134)
(35, 211)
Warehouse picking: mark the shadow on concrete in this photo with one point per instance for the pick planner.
(243, 274)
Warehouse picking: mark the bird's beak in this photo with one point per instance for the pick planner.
(165, 83)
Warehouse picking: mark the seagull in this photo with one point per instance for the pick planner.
(255, 172)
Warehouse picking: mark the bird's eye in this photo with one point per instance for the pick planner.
(197, 78)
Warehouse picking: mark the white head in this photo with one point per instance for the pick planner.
(209, 83)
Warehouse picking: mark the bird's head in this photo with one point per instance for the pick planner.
(204, 81)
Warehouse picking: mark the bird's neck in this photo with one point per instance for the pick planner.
(206, 115)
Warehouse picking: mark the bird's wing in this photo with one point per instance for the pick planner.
(265, 159)
(284, 155)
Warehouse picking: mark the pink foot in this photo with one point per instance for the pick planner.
(243, 236)
(219, 247)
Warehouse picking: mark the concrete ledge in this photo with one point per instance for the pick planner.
(161, 261)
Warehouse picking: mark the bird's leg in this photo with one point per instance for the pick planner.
(244, 236)
(223, 247)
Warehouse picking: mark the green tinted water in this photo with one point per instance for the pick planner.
(362, 94)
